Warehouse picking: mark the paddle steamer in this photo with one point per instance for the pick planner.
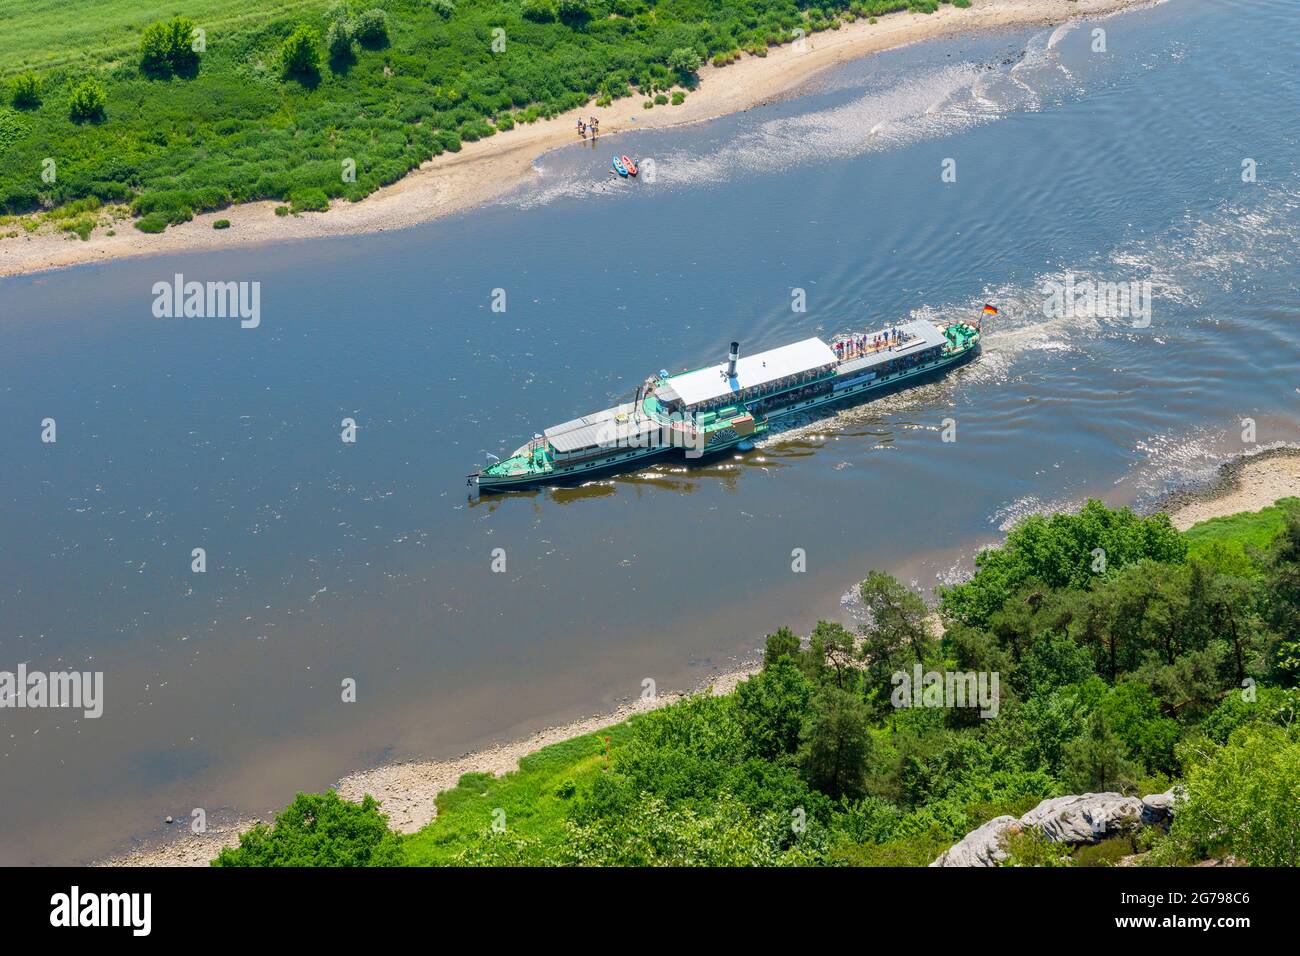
(704, 411)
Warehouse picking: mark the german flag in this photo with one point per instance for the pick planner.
(990, 310)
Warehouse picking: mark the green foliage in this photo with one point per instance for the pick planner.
(540, 11)
(86, 102)
(1243, 537)
(1061, 551)
(26, 91)
(151, 222)
(371, 26)
(400, 97)
(783, 644)
(12, 129)
(653, 833)
(573, 11)
(685, 60)
(771, 708)
(300, 52)
(835, 748)
(319, 830)
(167, 47)
(1031, 848)
(221, 224)
(1098, 761)
(444, 8)
(1242, 798)
(339, 42)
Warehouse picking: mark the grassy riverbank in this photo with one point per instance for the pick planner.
(1175, 660)
(242, 125)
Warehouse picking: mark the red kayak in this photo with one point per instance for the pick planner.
(631, 166)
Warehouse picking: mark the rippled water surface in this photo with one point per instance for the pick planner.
(370, 561)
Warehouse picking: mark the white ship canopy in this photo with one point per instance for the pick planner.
(706, 384)
(611, 427)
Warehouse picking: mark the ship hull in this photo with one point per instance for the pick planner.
(846, 397)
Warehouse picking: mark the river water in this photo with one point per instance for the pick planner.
(369, 560)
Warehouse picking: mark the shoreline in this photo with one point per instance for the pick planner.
(408, 790)
(487, 169)
(1246, 482)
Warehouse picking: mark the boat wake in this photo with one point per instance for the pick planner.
(892, 112)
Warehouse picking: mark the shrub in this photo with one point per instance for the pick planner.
(445, 8)
(27, 91)
(282, 210)
(1241, 799)
(372, 26)
(309, 200)
(685, 60)
(153, 222)
(167, 47)
(338, 41)
(539, 11)
(221, 224)
(679, 97)
(319, 829)
(300, 51)
(573, 11)
(86, 102)
(660, 99)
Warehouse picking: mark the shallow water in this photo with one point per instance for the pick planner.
(369, 560)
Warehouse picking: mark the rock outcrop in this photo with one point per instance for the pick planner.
(1088, 818)
(1085, 818)
(982, 846)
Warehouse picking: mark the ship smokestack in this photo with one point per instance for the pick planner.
(731, 359)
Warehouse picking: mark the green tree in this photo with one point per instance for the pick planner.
(835, 747)
(338, 42)
(167, 47)
(319, 829)
(1061, 551)
(573, 11)
(685, 61)
(771, 708)
(300, 51)
(1242, 798)
(372, 26)
(783, 644)
(1098, 761)
(539, 11)
(444, 8)
(26, 93)
(830, 656)
(86, 102)
(896, 634)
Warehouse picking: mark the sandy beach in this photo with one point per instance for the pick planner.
(1246, 483)
(485, 170)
